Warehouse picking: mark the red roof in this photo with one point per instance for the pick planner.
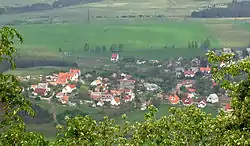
(187, 101)
(74, 71)
(228, 107)
(191, 90)
(72, 86)
(114, 55)
(40, 91)
(205, 69)
(189, 73)
(203, 101)
(127, 97)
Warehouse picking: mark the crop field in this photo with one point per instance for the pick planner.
(138, 38)
(133, 36)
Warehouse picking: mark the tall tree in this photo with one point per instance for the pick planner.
(12, 127)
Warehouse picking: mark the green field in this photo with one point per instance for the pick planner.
(133, 36)
(36, 71)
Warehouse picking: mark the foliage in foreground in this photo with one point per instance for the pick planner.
(184, 126)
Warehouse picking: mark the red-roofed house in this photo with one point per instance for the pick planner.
(189, 74)
(127, 98)
(115, 101)
(187, 101)
(228, 108)
(174, 99)
(95, 95)
(69, 88)
(202, 103)
(40, 91)
(205, 69)
(114, 57)
(76, 71)
(60, 95)
(191, 90)
(65, 100)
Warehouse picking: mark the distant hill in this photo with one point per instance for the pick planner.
(114, 7)
(42, 6)
(235, 9)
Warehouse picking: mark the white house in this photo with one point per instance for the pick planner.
(151, 87)
(213, 98)
(68, 88)
(115, 101)
(100, 103)
(96, 83)
(60, 95)
(143, 106)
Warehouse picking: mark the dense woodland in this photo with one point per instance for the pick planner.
(235, 9)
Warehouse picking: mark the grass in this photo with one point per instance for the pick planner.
(36, 71)
(133, 36)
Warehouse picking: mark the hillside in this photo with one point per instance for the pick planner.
(131, 7)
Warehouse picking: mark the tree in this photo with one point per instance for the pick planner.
(12, 101)
(86, 47)
(195, 44)
(59, 50)
(207, 43)
(120, 47)
(104, 48)
(189, 45)
(83, 93)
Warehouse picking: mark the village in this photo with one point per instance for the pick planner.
(121, 88)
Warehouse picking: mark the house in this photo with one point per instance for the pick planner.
(76, 71)
(127, 84)
(114, 57)
(65, 99)
(228, 108)
(106, 97)
(202, 103)
(213, 98)
(62, 79)
(248, 51)
(100, 103)
(227, 50)
(95, 95)
(40, 92)
(144, 106)
(189, 74)
(191, 90)
(127, 98)
(42, 85)
(69, 88)
(151, 87)
(33, 87)
(174, 99)
(205, 69)
(96, 83)
(187, 101)
(115, 101)
(60, 95)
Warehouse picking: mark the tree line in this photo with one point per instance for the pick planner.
(184, 126)
(43, 6)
